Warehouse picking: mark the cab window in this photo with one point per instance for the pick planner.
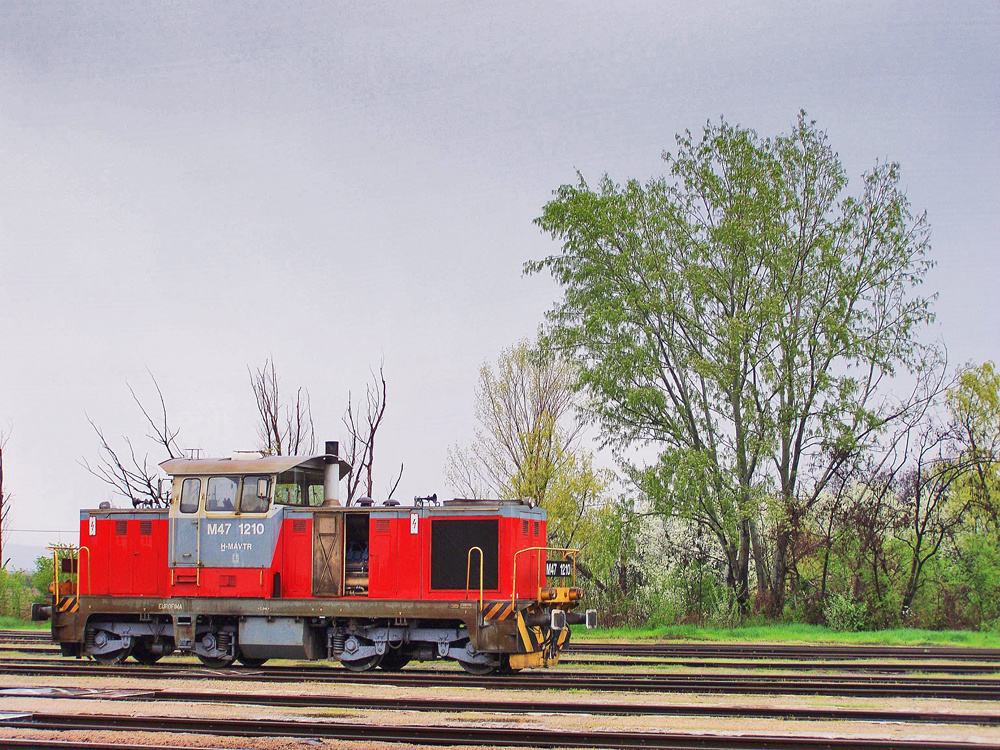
(299, 487)
(255, 494)
(222, 493)
(190, 495)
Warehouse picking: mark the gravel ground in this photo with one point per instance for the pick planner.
(989, 735)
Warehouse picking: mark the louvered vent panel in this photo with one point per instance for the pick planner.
(121, 528)
(146, 528)
(537, 525)
(382, 525)
(524, 527)
(299, 526)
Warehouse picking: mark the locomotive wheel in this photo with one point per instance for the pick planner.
(246, 661)
(393, 661)
(216, 662)
(480, 669)
(363, 665)
(114, 657)
(142, 654)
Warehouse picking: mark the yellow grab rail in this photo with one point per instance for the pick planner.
(74, 551)
(468, 573)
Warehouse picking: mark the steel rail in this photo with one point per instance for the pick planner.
(477, 736)
(33, 636)
(792, 666)
(36, 743)
(854, 686)
(321, 670)
(788, 650)
(446, 705)
(714, 649)
(707, 650)
(959, 668)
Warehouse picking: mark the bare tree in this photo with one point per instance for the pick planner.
(528, 446)
(131, 475)
(930, 510)
(362, 421)
(4, 502)
(527, 435)
(284, 430)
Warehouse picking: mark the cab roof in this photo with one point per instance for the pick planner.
(265, 465)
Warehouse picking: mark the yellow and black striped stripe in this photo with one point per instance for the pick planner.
(531, 638)
(498, 611)
(68, 604)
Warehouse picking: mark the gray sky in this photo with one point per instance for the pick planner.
(196, 186)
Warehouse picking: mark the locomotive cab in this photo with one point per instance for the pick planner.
(256, 558)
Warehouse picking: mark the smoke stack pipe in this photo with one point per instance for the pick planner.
(331, 474)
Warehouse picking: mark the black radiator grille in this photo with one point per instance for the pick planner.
(451, 541)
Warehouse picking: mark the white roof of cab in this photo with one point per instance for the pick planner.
(267, 465)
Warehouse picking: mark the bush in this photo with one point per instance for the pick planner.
(846, 615)
(16, 594)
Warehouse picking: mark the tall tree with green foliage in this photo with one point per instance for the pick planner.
(974, 402)
(740, 316)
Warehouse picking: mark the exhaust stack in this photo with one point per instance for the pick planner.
(331, 474)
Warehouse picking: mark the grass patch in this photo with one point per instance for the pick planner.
(797, 633)
(13, 623)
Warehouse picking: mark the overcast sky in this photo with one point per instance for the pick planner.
(194, 187)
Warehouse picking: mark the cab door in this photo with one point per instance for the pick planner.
(185, 524)
(328, 553)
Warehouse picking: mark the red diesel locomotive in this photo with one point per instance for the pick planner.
(255, 558)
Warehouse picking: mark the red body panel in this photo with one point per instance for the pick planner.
(127, 555)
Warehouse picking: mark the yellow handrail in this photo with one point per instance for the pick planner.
(468, 573)
(566, 552)
(75, 550)
(55, 575)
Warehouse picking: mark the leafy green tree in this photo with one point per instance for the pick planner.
(974, 402)
(42, 578)
(740, 317)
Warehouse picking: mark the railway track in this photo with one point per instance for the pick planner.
(777, 684)
(788, 651)
(941, 660)
(445, 735)
(701, 650)
(25, 636)
(936, 667)
(506, 706)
